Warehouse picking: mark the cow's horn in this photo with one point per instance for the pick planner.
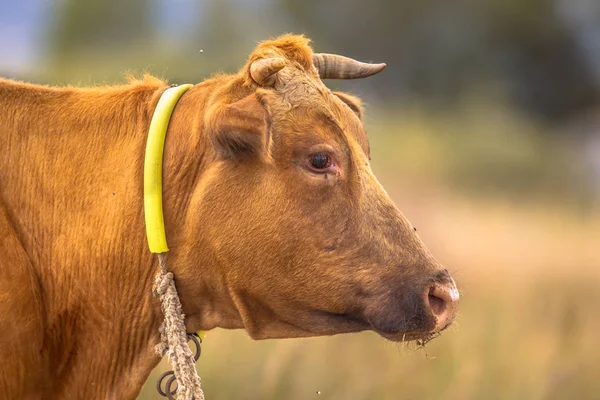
(263, 71)
(333, 66)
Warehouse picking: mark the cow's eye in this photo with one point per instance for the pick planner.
(319, 161)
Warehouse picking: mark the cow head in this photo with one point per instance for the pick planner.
(289, 232)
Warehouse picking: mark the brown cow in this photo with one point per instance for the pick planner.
(275, 222)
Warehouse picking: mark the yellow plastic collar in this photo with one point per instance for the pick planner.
(153, 208)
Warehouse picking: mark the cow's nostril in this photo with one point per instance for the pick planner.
(442, 299)
(437, 304)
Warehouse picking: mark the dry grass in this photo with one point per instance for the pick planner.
(529, 274)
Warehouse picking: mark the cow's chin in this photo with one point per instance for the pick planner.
(316, 323)
(322, 323)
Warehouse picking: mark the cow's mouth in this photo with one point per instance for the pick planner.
(419, 328)
(353, 322)
(421, 338)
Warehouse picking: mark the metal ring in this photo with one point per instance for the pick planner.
(197, 341)
(167, 385)
(171, 393)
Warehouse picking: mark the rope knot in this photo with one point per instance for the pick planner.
(161, 284)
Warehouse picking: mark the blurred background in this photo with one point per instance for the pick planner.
(485, 130)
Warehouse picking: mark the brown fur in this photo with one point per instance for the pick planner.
(257, 241)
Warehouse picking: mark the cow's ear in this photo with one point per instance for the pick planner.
(351, 101)
(240, 129)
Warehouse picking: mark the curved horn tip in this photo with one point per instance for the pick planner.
(379, 67)
(334, 66)
(263, 71)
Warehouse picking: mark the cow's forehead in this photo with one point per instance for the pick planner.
(295, 89)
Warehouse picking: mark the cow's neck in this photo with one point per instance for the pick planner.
(73, 182)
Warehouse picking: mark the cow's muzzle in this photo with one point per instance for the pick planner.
(417, 312)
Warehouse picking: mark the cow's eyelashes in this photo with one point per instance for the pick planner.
(319, 162)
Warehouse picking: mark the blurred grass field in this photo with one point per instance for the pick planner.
(508, 215)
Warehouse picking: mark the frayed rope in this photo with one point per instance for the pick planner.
(174, 336)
